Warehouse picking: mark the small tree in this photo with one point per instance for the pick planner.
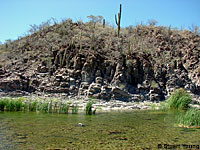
(95, 19)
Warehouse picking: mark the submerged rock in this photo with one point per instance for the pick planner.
(80, 125)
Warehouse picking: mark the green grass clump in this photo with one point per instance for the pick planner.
(24, 106)
(180, 99)
(3, 103)
(32, 106)
(74, 109)
(43, 107)
(10, 105)
(64, 108)
(89, 108)
(18, 105)
(153, 106)
(163, 106)
(190, 118)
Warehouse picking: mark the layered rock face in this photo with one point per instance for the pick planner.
(104, 72)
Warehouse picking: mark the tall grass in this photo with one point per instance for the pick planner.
(74, 109)
(10, 105)
(18, 105)
(163, 106)
(43, 107)
(180, 99)
(32, 106)
(39, 105)
(190, 118)
(64, 108)
(89, 108)
(3, 103)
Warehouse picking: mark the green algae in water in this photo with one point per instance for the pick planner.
(113, 130)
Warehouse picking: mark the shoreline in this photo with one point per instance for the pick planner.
(99, 104)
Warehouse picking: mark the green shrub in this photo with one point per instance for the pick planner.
(190, 118)
(179, 99)
(89, 108)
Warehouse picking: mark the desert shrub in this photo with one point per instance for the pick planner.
(180, 99)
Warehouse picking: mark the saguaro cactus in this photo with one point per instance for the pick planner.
(119, 19)
(104, 23)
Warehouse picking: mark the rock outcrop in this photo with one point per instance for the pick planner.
(98, 64)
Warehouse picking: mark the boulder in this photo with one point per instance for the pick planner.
(120, 94)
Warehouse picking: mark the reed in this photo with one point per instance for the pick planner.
(180, 99)
(18, 104)
(11, 105)
(50, 110)
(43, 107)
(64, 108)
(190, 118)
(89, 108)
(163, 106)
(23, 104)
(3, 104)
(74, 109)
(32, 106)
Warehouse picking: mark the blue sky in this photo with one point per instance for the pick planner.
(17, 15)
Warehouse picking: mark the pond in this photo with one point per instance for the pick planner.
(105, 130)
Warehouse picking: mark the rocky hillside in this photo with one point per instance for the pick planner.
(83, 59)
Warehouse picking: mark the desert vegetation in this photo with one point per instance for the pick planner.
(95, 59)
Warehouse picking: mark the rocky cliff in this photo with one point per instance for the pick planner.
(80, 59)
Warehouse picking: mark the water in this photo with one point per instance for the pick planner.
(111, 130)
